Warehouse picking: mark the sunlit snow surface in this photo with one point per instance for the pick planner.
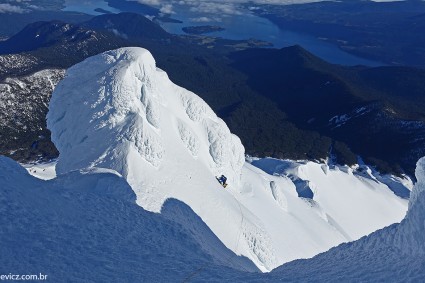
(118, 111)
(44, 171)
(85, 226)
(132, 142)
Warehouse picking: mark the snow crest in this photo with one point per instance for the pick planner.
(117, 111)
(120, 104)
(410, 235)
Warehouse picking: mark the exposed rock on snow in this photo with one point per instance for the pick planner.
(23, 107)
(17, 63)
(23, 98)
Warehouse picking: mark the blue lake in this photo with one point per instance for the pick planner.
(244, 26)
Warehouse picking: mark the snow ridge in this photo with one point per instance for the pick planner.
(117, 111)
(410, 235)
(128, 111)
(126, 115)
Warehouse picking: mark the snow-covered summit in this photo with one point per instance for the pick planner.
(119, 112)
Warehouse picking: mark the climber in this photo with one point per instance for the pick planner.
(222, 180)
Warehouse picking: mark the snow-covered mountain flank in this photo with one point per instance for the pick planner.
(23, 104)
(393, 254)
(23, 97)
(136, 197)
(118, 112)
(86, 226)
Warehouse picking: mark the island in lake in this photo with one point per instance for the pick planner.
(103, 11)
(166, 19)
(202, 29)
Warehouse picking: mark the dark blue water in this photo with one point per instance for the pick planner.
(243, 26)
(248, 25)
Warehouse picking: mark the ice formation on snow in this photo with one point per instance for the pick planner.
(126, 100)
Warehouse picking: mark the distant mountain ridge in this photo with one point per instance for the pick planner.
(128, 25)
(58, 44)
(372, 110)
(284, 103)
(44, 34)
(384, 31)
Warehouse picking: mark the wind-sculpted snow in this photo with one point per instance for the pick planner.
(196, 109)
(410, 236)
(224, 147)
(119, 112)
(352, 201)
(189, 138)
(259, 244)
(278, 195)
(124, 99)
(104, 116)
(86, 227)
(393, 254)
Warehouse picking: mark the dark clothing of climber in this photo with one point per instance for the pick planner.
(222, 179)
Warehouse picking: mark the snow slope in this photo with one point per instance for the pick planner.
(86, 227)
(42, 170)
(118, 111)
(355, 203)
(393, 254)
